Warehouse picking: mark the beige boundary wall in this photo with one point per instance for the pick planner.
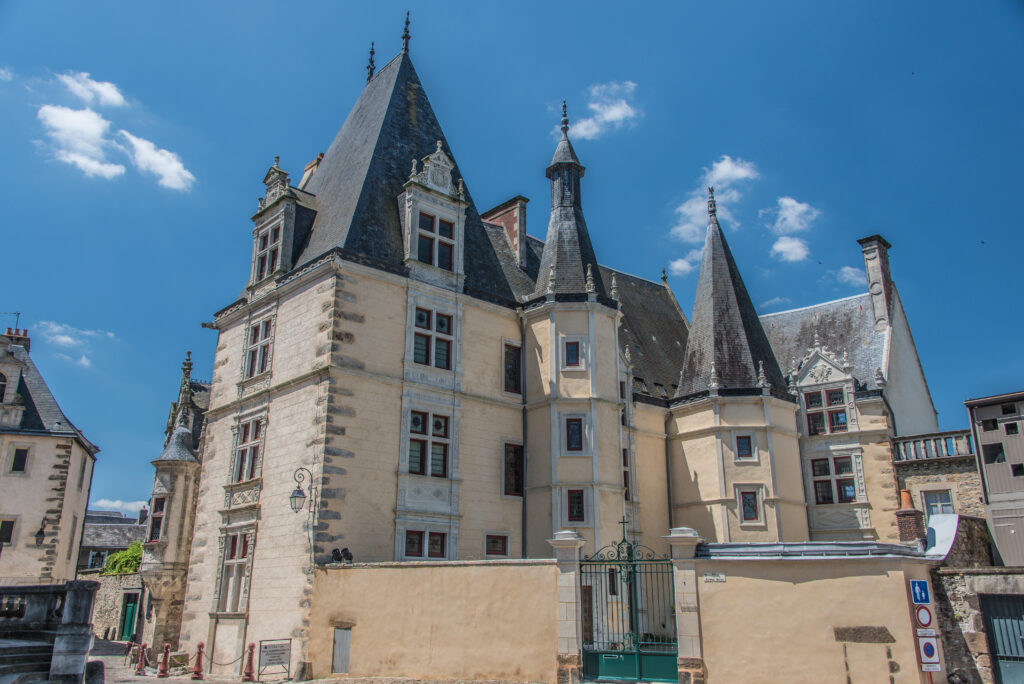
(809, 620)
(445, 620)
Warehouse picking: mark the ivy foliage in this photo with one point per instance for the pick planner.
(124, 562)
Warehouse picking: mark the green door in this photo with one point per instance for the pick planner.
(129, 610)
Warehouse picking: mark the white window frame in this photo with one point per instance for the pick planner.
(15, 530)
(429, 438)
(508, 544)
(833, 477)
(426, 531)
(755, 456)
(436, 238)
(563, 434)
(588, 505)
(759, 492)
(433, 335)
(924, 503)
(233, 589)
(255, 463)
(584, 343)
(501, 364)
(271, 251)
(826, 410)
(263, 347)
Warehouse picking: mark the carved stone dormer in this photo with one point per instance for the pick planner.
(820, 373)
(280, 223)
(433, 213)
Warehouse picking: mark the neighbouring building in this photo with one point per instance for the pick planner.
(996, 424)
(108, 532)
(409, 383)
(46, 467)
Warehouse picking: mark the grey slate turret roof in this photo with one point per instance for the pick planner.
(725, 333)
(179, 447)
(42, 413)
(358, 182)
(568, 252)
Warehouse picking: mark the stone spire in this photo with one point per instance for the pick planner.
(371, 67)
(405, 35)
(185, 393)
(727, 346)
(568, 252)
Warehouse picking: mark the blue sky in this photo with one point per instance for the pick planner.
(135, 137)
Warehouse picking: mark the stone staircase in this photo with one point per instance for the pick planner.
(25, 660)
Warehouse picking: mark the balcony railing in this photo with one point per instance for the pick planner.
(935, 445)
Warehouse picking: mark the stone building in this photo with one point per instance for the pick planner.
(46, 467)
(108, 532)
(426, 383)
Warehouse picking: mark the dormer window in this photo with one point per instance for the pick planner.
(436, 241)
(3, 386)
(816, 415)
(268, 251)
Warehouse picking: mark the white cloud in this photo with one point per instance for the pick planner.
(6, 74)
(790, 216)
(789, 248)
(64, 335)
(166, 165)
(611, 106)
(79, 137)
(723, 175)
(775, 301)
(685, 265)
(101, 92)
(848, 275)
(130, 507)
(82, 360)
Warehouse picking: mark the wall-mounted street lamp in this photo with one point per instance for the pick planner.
(41, 533)
(298, 497)
(297, 501)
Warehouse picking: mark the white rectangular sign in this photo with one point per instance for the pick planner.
(928, 649)
(714, 576)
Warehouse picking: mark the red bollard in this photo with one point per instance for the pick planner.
(250, 671)
(162, 672)
(197, 671)
(140, 669)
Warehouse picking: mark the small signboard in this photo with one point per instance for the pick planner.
(928, 649)
(919, 592)
(926, 632)
(275, 655)
(714, 576)
(923, 615)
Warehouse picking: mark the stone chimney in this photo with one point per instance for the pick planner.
(511, 215)
(910, 522)
(310, 169)
(19, 336)
(876, 266)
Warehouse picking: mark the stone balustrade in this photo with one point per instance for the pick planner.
(949, 444)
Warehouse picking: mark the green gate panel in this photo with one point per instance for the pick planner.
(1004, 625)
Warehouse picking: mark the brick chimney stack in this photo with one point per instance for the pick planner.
(19, 336)
(910, 522)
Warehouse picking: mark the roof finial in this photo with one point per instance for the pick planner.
(276, 159)
(371, 66)
(762, 380)
(713, 380)
(664, 277)
(186, 366)
(405, 34)
(551, 278)
(712, 209)
(615, 288)
(590, 278)
(565, 121)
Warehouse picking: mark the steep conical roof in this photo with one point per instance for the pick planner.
(568, 255)
(179, 446)
(727, 343)
(363, 172)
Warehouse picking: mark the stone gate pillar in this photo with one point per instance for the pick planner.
(690, 659)
(567, 545)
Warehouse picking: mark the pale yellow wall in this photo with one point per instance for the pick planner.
(774, 621)
(649, 474)
(27, 497)
(706, 473)
(440, 621)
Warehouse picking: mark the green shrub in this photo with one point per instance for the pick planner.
(124, 562)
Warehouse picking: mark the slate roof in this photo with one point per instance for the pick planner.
(363, 172)
(843, 325)
(725, 330)
(568, 251)
(42, 413)
(179, 447)
(98, 535)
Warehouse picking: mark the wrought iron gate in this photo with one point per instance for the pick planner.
(627, 609)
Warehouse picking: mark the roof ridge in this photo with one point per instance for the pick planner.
(813, 306)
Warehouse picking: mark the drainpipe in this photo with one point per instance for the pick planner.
(668, 466)
(522, 387)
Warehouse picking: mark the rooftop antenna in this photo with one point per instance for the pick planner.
(17, 317)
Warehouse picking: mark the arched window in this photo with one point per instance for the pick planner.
(3, 386)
